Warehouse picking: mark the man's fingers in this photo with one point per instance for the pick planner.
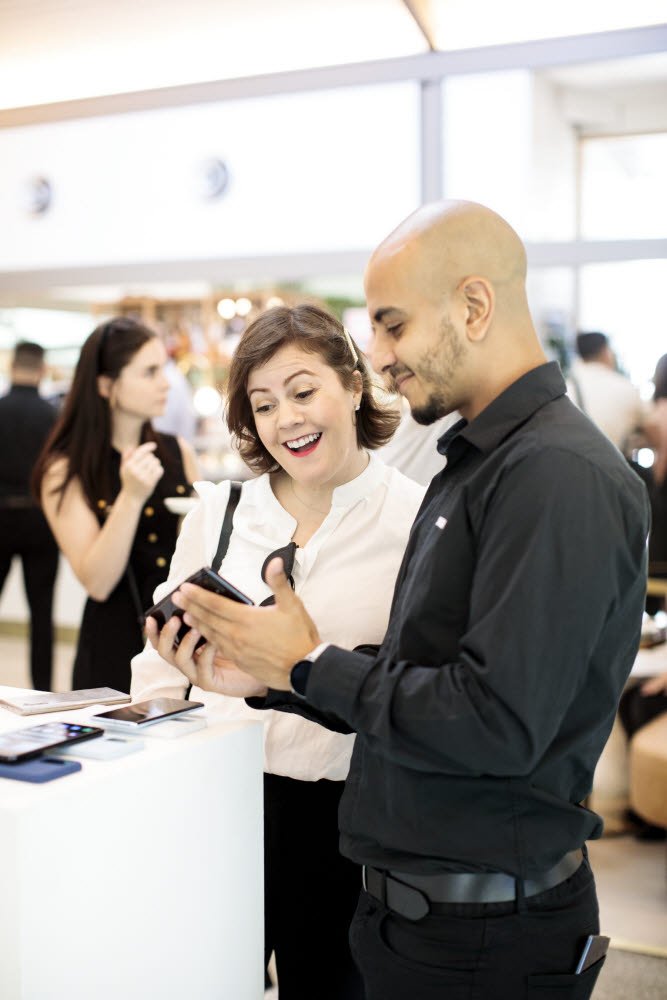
(206, 606)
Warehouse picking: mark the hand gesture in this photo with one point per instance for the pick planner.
(204, 667)
(140, 470)
(265, 642)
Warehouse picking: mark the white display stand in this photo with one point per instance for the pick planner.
(136, 878)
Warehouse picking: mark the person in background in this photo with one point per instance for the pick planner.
(301, 407)
(102, 478)
(603, 393)
(655, 476)
(25, 422)
(645, 701)
(639, 705)
(180, 416)
(413, 450)
(514, 624)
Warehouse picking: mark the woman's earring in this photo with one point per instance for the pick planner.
(357, 407)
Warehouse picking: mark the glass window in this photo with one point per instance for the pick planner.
(620, 300)
(623, 187)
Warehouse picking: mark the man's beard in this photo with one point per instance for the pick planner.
(438, 370)
(433, 409)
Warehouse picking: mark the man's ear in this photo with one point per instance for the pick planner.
(480, 301)
(104, 383)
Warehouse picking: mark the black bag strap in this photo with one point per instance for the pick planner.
(225, 535)
(226, 529)
(136, 598)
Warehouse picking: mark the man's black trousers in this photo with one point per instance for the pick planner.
(521, 950)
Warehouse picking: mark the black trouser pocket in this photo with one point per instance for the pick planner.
(569, 987)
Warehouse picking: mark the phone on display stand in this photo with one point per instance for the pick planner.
(209, 580)
(23, 744)
(145, 713)
(109, 747)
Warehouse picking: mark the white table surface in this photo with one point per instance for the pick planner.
(136, 878)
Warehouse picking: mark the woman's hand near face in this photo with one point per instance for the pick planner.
(140, 470)
(204, 667)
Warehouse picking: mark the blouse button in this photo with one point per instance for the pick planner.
(148, 511)
(180, 489)
(101, 504)
(152, 537)
(160, 561)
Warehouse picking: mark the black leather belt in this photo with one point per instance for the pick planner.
(414, 896)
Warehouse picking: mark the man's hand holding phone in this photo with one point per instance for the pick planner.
(265, 642)
(186, 648)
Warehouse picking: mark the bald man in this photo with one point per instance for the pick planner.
(514, 625)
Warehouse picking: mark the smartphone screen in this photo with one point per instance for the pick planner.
(21, 744)
(209, 580)
(143, 713)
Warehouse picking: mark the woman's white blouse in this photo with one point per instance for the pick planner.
(345, 576)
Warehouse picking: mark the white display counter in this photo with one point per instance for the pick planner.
(140, 877)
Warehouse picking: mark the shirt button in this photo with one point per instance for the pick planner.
(160, 561)
(152, 537)
(148, 511)
(180, 489)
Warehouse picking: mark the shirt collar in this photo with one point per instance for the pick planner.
(361, 487)
(507, 411)
(17, 387)
(270, 511)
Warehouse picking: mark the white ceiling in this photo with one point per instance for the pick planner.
(57, 50)
(61, 50)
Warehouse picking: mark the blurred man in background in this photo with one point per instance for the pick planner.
(603, 393)
(25, 421)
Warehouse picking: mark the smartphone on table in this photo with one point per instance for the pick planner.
(209, 580)
(22, 744)
(144, 713)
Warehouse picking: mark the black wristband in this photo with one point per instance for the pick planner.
(298, 677)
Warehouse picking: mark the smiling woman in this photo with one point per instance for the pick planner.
(300, 405)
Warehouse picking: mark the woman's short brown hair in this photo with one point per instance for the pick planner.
(316, 331)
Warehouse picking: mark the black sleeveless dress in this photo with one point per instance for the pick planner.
(111, 633)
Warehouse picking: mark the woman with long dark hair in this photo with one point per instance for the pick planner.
(101, 479)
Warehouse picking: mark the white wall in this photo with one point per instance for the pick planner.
(68, 602)
(330, 170)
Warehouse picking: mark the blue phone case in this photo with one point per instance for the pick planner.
(39, 769)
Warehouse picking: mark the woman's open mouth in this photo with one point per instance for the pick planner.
(303, 445)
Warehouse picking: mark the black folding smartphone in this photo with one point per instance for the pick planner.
(209, 580)
(22, 744)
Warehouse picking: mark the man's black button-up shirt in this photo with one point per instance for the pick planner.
(515, 621)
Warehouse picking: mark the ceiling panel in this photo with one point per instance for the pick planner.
(55, 51)
(494, 23)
